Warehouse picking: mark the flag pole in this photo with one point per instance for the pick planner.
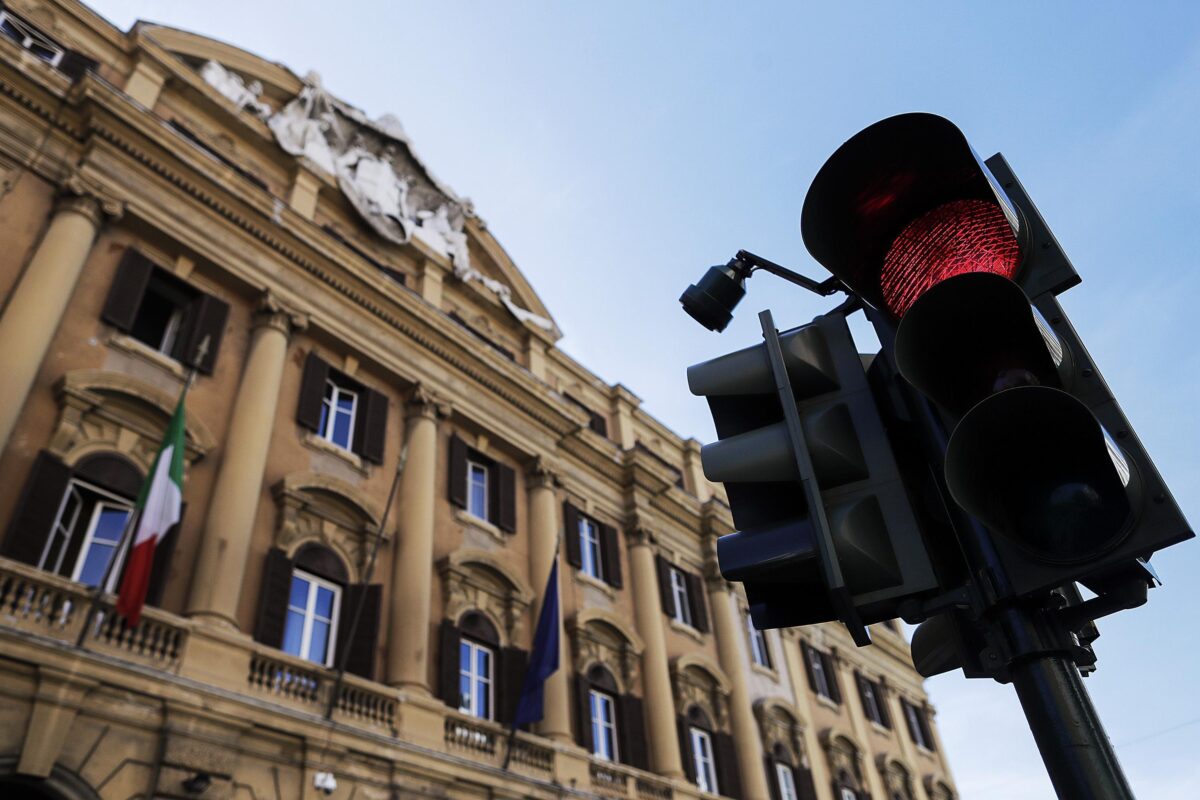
(130, 522)
(366, 579)
(512, 733)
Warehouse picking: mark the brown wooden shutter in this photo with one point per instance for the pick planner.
(806, 653)
(771, 765)
(273, 598)
(859, 680)
(729, 778)
(513, 663)
(611, 555)
(359, 652)
(458, 472)
(571, 535)
(831, 676)
(631, 730)
(163, 550)
(127, 290)
(448, 665)
(36, 510)
(881, 696)
(666, 596)
(685, 748)
(207, 317)
(312, 390)
(806, 787)
(923, 719)
(370, 426)
(505, 493)
(583, 713)
(697, 601)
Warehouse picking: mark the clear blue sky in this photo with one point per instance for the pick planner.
(618, 148)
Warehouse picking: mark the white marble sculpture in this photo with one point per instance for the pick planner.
(371, 184)
(234, 89)
(301, 125)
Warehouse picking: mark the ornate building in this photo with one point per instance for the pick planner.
(169, 203)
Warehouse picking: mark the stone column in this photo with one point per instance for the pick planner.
(221, 563)
(39, 300)
(544, 527)
(656, 678)
(859, 724)
(412, 564)
(730, 632)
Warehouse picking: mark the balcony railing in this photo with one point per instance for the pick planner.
(488, 741)
(617, 780)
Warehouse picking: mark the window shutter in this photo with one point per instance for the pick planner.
(312, 390)
(458, 472)
(37, 508)
(571, 535)
(358, 654)
(506, 498)
(923, 720)
(685, 748)
(513, 663)
(831, 674)
(448, 683)
(75, 65)
(859, 680)
(665, 595)
(162, 561)
(128, 288)
(612, 556)
(729, 779)
(208, 316)
(806, 788)
(696, 599)
(880, 695)
(583, 713)
(370, 427)
(807, 653)
(273, 598)
(631, 729)
(770, 765)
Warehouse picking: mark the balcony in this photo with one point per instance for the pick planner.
(41, 616)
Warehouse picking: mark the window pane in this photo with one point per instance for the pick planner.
(477, 478)
(323, 425)
(94, 563)
(341, 428)
(299, 594)
(293, 631)
(324, 603)
(482, 701)
(483, 667)
(319, 643)
(111, 524)
(464, 693)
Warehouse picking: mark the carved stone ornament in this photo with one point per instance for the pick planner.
(325, 510)
(234, 89)
(897, 781)
(778, 726)
(843, 756)
(595, 640)
(273, 313)
(423, 402)
(695, 685)
(475, 581)
(77, 193)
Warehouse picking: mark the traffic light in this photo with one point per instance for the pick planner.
(949, 252)
(825, 529)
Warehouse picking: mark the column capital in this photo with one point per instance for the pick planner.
(74, 194)
(544, 472)
(639, 535)
(272, 313)
(426, 404)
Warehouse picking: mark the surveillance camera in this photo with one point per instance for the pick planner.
(711, 301)
(325, 782)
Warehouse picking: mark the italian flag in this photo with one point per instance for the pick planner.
(158, 508)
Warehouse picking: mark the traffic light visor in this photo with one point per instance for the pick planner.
(905, 204)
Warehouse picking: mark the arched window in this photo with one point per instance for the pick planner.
(479, 676)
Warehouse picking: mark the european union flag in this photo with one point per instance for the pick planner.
(543, 661)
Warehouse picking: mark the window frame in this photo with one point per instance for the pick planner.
(600, 725)
(330, 411)
(106, 497)
(760, 652)
(591, 552)
(872, 702)
(679, 592)
(848, 793)
(785, 780)
(32, 36)
(704, 766)
(309, 614)
(485, 471)
(816, 663)
(916, 730)
(467, 702)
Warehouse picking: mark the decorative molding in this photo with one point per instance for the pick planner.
(778, 723)
(273, 313)
(78, 194)
(478, 580)
(697, 680)
(897, 778)
(321, 508)
(601, 637)
(544, 472)
(427, 404)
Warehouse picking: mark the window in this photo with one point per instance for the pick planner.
(31, 38)
(312, 613)
(704, 761)
(679, 591)
(604, 725)
(918, 725)
(340, 410)
(786, 782)
(848, 794)
(477, 489)
(337, 414)
(164, 313)
(589, 548)
(821, 674)
(873, 702)
(85, 534)
(758, 645)
(475, 678)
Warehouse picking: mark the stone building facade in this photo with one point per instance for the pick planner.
(154, 225)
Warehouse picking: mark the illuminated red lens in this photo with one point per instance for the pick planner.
(961, 236)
